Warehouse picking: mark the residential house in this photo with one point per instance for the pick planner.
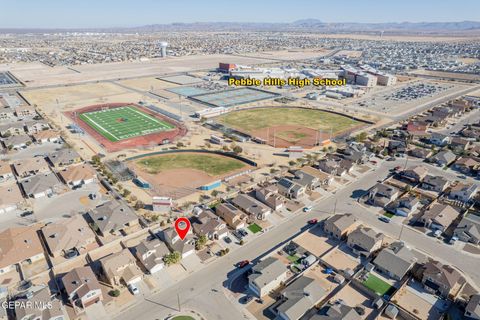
(120, 269)
(468, 230)
(41, 185)
(254, 208)
(206, 223)
(19, 245)
(472, 310)
(78, 175)
(64, 157)
(69, 235)
(82, 288)
(337, 311)
(269, 195)
(47, 136)
(6, 173)
(31, 166)
(185, 247)
(439, 139)
(466, 165)
(323, 178)
(443, 158)
(382, 194)
(435, 183)
(113, 218)
(267, 275)
(299, 297)
(340, 225)
(364, 241)
(415, 128)
(234, 217)
(36, 126)
(150, 254)
(397, 146)
(19, 141)
(11, 197)
(395, 261)
(403, 206)
(439, 216)
(335, 166)
(290, 189)
(40, 305)
(7, 114)
(25, 111)
(421, 153)
(310, 182)
(459, 144)
(440, 279)
(11, 129)
(415, 174)
(463, 191)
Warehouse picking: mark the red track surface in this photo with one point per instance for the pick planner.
(136, 142)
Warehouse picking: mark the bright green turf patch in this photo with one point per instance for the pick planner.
(378, 286)
(388, 214)
(254, 228)
(124, 122)
(183, 318)
(254, 119)
(211, 164)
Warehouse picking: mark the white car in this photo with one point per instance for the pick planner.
(133, 289)
(307, 209)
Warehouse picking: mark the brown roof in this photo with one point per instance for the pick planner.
(76, 173)
(31, 164)
(5, 168)
(10, 195)
(82, 280)
(68, 233)
(18, 244)
(46, 134)
(442, 214)
(443, 274)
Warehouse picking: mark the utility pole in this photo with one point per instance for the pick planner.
(178, 301)
(401, 231)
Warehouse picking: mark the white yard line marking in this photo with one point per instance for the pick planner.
(106, 131)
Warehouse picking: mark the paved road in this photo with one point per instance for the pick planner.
(195, 292)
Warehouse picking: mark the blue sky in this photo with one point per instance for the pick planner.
(123, 13)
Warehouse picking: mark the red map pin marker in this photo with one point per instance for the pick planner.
(182, 226)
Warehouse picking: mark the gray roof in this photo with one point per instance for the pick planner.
(365, 237)
(40, 183)
(267, 271)
(157, 249)
(112, 215)
(300, 296)
(397, 259)
(437, 181)
(173, 241)
(250, 205)
(338, 311)
(384, 190)
(342, 221)
(18, 139)
(469, 226)
(445, 156)
(473, 305)
(63, 156)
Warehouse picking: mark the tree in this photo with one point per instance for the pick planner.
(133, 198)
(225, 148)
(242, 242)
(172, 258)
(208, 145)
(180, 144)
(126, 193)
(292, 162)
(201, 242)
(237, 149)
(114, 293)
(361, 137)
(96, 159)
(154, 217)
(139, 205)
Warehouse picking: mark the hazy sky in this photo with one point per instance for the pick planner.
(122, 13)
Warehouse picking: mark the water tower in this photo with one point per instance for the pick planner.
(163, 47)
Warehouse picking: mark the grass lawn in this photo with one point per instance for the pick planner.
(388, 214)
(183, 318)
(293, 258)
(377, 285)
(253, 119)
(254, 228)
(211, 164)
(124, 122)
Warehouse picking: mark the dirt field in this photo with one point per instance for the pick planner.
(146, 84)
(179, 180)
(285, 127)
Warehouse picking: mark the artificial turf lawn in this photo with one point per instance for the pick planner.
(124, 122)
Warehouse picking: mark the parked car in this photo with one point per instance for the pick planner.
(26, 214)
(227, 239)
(243, 263)
(247, 299)
(243, 232)
(307, 209)
(133, 289)
(312, 221)
(437, 233)
(384, 219)
(237, 235)
(453, 240)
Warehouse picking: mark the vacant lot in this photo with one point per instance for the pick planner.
(211, 164)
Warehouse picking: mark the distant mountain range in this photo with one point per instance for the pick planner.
(299, 25)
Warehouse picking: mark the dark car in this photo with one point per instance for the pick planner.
(243, 232)
(384, 219)
(237, 235)
(247, 299)
(71, 254)
(227, 240)
(243, 263)
(26, 214)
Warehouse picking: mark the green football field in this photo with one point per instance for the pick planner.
(124, 122)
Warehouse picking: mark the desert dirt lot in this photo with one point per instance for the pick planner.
(146, 84)
(178, 175)
(314, 242)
